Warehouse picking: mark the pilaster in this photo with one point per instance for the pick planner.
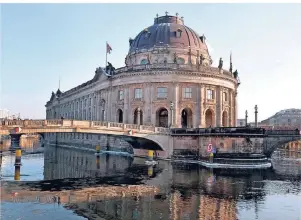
(197, 121)
(126, 109)
(219, 106)
(176, 115)
(202, 101)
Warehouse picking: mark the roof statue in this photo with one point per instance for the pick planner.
(52, 96)
(201, 59)
(110, 69)
(235, 74)
(230, 69)
(175, 57)
(220, 65)
(58, 93)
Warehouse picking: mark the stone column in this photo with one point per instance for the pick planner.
(202, 100)
(109, 104)
(231, 112)
(147, 98)
(219, 107)
(171, 118)
(197, 122)
(138, 116)
(125, 104)
(246, 118)
(256, 112)
(236, 108)
(177, 114)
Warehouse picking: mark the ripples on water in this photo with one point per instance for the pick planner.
(65, 184)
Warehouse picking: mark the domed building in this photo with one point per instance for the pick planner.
(168, 81)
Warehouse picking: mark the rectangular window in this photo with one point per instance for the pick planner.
(210, 94)
(120, 95)
(162, 92)
(187, 93)
(225, 97)
(138, 93)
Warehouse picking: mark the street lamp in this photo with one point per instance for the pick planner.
(171, 113)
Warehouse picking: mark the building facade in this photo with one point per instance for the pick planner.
(167, 81)
(284, 118)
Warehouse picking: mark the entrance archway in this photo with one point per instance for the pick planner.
(162, 118)
(225, 119)
(186, 118)
(119, 116)
(209, 118)
(138, 112)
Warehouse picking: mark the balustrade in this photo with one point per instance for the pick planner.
(79, 124)
(185, 67)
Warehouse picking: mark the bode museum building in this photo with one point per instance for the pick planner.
(168, 81)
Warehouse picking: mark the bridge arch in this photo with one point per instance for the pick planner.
(273, 143)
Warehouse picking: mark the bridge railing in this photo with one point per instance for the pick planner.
(81, 124)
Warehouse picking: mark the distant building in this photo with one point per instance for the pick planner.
(5, 114)
(284, 118)
(241, 122)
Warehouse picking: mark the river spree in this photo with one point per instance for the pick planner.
(68, 184)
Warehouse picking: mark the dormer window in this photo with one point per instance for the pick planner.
(180, 60)
(146, 33)
(178, 33)
(144, 62)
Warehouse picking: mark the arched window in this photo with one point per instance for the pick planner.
(144, 62)
(180, 60)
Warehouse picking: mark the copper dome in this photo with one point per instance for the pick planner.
(164, 33)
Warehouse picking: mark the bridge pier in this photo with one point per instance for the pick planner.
(15, 142)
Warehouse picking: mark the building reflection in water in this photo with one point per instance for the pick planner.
(185, 191)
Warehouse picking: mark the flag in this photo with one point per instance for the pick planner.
(109, 48)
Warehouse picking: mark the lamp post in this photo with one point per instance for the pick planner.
(246, 118)
(171, 113)
(256, 113)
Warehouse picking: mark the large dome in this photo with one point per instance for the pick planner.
(167, 40)
(164, 33)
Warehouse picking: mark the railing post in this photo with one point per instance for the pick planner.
(124, 126)
(140, 127)
(108, 124)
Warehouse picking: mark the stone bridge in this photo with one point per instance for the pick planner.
(148, 137)
(139, 136)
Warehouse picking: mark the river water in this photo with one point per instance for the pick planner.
(68, 184)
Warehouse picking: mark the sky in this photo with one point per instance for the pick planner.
(42, 43)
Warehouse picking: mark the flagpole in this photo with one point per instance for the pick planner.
(106, 53)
